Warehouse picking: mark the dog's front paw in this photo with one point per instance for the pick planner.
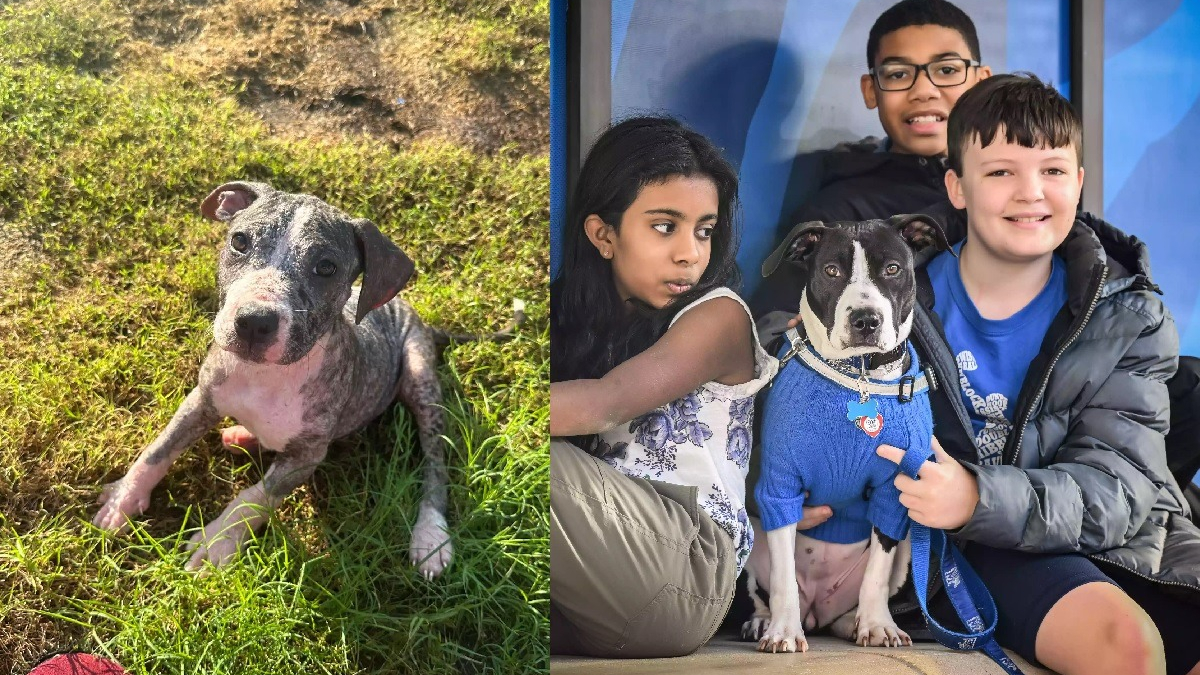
(879, 631)
(783, 634)
(215, 545)
(754, 629)
(120, 501)
(430, 549)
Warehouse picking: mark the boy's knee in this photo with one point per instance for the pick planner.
(1098, 628)
(1134, 641)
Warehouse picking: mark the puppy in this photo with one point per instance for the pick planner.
(855, 384)
(299, 358)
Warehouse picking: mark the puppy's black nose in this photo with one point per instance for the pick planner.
(256, 324)
(865, 321)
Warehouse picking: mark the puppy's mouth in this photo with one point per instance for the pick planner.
(246, 351)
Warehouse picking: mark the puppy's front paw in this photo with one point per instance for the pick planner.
(755, 628)
(879, 631)
(120, 501)
(215, 545)
(430, 549)
(783, 634)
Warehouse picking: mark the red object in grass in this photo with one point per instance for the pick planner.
(77, 664)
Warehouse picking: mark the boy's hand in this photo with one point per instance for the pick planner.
(946, 494)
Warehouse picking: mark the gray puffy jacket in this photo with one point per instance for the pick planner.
(1084, 467)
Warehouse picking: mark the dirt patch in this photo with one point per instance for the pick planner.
(20, 251)
(376, 68)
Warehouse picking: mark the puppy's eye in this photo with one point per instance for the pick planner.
(325, 268)
(239, 242)
(892, 270)
(833, 271)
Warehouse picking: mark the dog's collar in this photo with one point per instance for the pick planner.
(907, 387)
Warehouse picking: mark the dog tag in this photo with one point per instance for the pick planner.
(855, 409)
(872, 426)
(865, 416)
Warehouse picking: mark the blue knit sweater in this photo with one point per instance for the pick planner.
(808, 444)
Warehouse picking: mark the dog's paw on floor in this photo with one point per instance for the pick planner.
(784, 634)
(755, 628)
(879, 632)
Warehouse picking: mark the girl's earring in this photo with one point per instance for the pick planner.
(607, 253)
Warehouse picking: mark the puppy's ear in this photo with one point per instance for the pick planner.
(796, 246)
(920, 231)
(385, 268)
(223, 203)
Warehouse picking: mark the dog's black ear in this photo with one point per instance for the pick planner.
(224, 202)
(385, 268)
(796, 246)
(920, 231)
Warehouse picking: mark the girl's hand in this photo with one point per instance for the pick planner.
(946, 494)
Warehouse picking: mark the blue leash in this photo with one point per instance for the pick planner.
(962, 585)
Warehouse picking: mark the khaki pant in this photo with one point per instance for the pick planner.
(637, 569)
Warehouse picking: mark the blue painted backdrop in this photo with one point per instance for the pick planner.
(772, 80)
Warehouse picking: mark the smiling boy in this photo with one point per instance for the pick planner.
(1053, 351)
(921, 56)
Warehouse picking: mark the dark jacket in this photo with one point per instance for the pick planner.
(1084, 467)
(859, 181)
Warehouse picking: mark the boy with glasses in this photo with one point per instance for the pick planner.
(921, 56)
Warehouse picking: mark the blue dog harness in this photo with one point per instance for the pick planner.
(967, 592)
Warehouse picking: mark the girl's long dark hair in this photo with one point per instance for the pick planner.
(591, 329)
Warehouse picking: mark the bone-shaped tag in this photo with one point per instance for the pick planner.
(855, 410)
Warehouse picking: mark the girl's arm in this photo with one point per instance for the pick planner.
(1100, 485)
(711, 341)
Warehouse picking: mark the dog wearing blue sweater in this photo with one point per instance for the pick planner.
(849, 381)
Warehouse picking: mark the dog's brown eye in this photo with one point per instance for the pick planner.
(832, 270)
(239, 242)
(892, 270)
(325, 268)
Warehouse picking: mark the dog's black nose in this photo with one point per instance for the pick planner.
(255, 324)
(865, 321)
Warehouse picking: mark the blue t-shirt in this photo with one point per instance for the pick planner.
(992, 356)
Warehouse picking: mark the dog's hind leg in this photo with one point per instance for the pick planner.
(753, 629)
(419, 390)
(900, 566)
(875, 626)
(238, 438)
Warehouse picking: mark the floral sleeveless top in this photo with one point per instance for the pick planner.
(702, 439)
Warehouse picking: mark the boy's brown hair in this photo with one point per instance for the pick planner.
(1032, 113)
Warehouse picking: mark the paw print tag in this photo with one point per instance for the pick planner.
(870, 425)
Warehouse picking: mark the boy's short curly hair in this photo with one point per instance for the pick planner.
(1032, 113)
(922, 13)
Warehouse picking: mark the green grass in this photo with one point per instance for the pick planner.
(107, 287)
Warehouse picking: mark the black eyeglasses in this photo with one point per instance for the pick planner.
(902, 76)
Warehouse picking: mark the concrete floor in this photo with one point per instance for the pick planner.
(826, 656)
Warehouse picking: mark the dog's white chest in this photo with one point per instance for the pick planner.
(266, 399)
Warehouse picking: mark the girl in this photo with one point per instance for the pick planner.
(654, 365)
